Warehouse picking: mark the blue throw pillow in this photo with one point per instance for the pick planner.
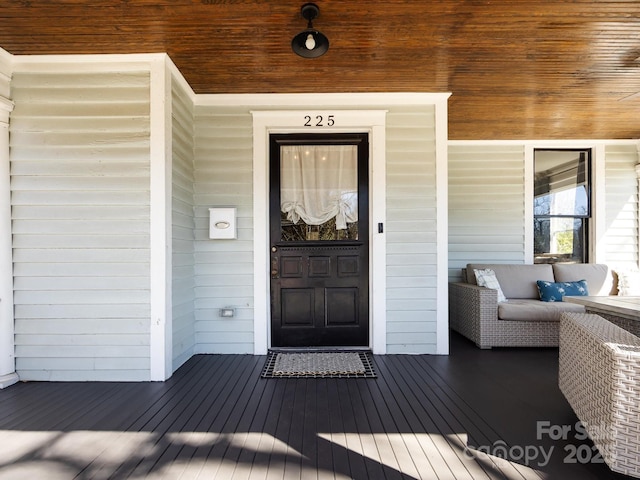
(555, 291)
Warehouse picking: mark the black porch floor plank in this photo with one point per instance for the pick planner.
(216, 418)
(53, 410)
(324, 450)
(293, 464)
(211, 457)
(435, 446)
(433, 409)
(204, 453)
(338, 453)
(252, 422)
(193, 419)
(142, 410)
(348, 405)
(178, 420)
(264, 426)
(162, 414)
(406, 448)
(22, 403)
(364, 427)
(197, 443)
(310, 428)
(508, 391)
(438, 449)
(376, 416)
(241, 421)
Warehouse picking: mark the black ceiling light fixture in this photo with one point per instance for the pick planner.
(310, 43)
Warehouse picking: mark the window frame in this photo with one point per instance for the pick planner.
(586, 219)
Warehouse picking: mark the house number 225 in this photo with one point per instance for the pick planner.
(319, 121)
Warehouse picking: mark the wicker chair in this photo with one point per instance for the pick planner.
(599, 374)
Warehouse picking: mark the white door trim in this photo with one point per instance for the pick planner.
(319, 121)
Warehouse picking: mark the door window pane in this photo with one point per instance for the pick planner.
(319, 192)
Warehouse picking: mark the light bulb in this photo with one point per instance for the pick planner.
(310, 43)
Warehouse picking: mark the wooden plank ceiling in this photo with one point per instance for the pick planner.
(517, 69)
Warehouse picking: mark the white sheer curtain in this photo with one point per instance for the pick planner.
(319, 182)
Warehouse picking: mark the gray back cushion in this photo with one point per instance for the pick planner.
(598, 276)
(516, 281)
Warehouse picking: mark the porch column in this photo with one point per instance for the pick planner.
(160, 335)
(638, 208)
(8, 374)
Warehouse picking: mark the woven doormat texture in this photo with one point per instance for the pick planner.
(318, 365)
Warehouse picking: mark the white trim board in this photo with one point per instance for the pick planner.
(569, 143)
(442, 230)
(161, 164)
(8, 374)
(297, 101)
(84, 63)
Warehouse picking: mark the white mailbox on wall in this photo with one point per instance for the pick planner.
(222, 223)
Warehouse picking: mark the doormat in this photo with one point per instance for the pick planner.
(318, 365)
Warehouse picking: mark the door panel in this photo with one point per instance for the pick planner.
(298, 307)
(341, 305)
(319, 242)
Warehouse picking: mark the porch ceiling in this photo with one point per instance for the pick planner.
(518, 69)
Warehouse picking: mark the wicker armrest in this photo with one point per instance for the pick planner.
(599, 374)
(473, 310)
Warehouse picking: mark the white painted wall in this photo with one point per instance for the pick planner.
(80, 180)
(486, 204)
(113, 174)
(491, 206)
(622, 220)
(183, 224)
(102, 187)
(412, 226)
(223, 268)
(224, 170)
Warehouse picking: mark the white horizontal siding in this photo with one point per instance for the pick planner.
(411, 230)
(80, 198)
(486, 205)
(52, 324)
(183, 276)
(621, 186)
(224, 268)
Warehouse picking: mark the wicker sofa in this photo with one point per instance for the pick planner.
(523, 320)
(599, 369)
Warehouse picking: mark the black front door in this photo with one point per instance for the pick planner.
(319, 231)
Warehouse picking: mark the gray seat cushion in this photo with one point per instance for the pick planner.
(535, 310)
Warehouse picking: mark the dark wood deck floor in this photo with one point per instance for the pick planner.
(427, 417)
